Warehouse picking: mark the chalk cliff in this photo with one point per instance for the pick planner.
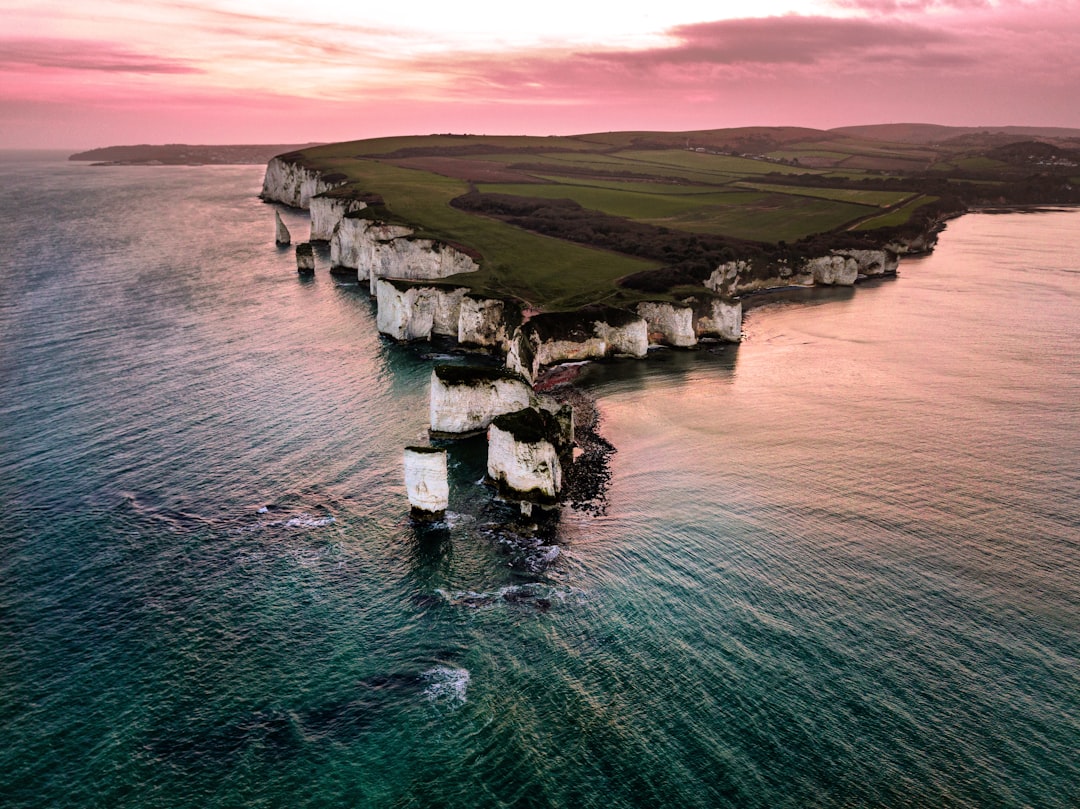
(293, 184)
(465, 399)
(834, 270)
(407, 257)
(670, 324)
(382, 250)
(426, 481)
(716, 317)
(593, 332)
(873, 263)
(737, 277)
(356, 240)
(488, 322)
(327, 211)
(410, 310)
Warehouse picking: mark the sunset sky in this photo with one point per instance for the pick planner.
(101, 72)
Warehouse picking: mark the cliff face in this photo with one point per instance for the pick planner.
(292, 184)
(380, 250)
(670, 324)
(355, 243)
(841, 267)
(466, 399)
(873, 263)
(409, 258)
(326, 212)
(834, 270)
(588, 334)
(716, 318)
(488, 322)
(735, 278)
(411, 311)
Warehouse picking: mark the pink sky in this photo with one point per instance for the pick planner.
(101, 72)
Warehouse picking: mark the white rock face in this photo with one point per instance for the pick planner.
(629, 339)
(415, 312)
(355, 243)
(557, 337)
(669, 323)
(326, 212)
(834, 270)
(487, 322)
(728, 277)
(872, 263)
(523, 468)
(379, 250)
(465, 400)
(281, 233)
(418, 259)
(292, 184)
(426, 479)
(717, 318)
(736, 277)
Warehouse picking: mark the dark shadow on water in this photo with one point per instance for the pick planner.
(814, 296)
(662, 363)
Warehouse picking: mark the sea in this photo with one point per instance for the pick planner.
(836, 565)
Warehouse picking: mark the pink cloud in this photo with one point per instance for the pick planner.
(68, 54)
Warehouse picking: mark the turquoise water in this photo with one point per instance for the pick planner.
(838, 564)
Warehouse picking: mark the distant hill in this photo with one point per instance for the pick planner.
(934, 133)
(183, 154)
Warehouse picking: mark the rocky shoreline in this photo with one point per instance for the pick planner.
(545, 447)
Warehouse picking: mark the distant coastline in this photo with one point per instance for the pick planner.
(183, 154)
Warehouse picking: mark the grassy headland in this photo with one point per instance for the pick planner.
(558, 221)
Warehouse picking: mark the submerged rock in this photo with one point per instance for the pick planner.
(426, 481)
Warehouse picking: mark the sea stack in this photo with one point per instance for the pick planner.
(524, 454)
(305, 259)
(426, 482)
(281, 236)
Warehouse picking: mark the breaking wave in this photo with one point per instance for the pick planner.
(446, 685)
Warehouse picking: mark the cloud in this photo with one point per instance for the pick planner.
(704, 54)
(909, 6)
(68, 54)
(789, 40)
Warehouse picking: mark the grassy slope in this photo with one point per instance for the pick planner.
(546, 272)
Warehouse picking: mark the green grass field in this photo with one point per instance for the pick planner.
(897, 217)
(877, 199)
